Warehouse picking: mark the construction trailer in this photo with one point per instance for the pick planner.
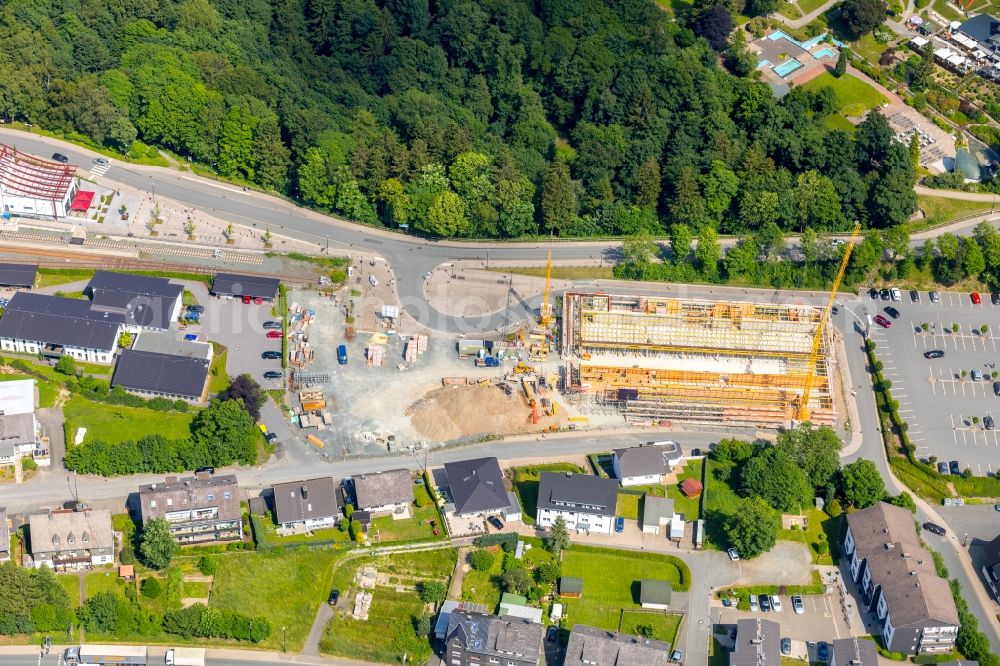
(720, 363)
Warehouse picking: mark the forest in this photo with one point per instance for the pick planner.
(457, 118)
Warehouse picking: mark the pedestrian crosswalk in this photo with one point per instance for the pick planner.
(99, 170)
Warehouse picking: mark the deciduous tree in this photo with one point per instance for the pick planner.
(752, 528)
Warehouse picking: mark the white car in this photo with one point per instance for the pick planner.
(373, 280)
(733, 554)
(776, 603)
(797, 605)
(754, 606)
(896, 296)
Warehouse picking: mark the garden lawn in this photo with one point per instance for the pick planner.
(50, 277)
(483, 587)
(104, 580)
(628, 506)
(689, 506)
(197, 589)
(808, 6)
(71, 583)
(218, 378)
(664, 625)
(822, 530)
(855, 95)
(115, 423)
(869, 48)
(266, 534)
(417, 527)
(719, 500)
(611, 583)
(286, 588)
(526, 485)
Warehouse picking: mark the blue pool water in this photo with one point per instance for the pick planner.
(787, 67)
(824, 53)
(808, 44)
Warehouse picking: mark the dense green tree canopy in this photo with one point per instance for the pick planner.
(753, 527)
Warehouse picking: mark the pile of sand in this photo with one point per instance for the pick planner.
(452, 412)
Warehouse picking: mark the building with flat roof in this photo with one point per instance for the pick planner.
(309, 505)
(18, 276)
(589, 646)
(199, 508)
(386, 491)
(232, 285)
(168, 342)
(898, 581)
(587, 503)
(158, 375)
(757, 642)
(18, 426)
(145, 302)
(476, 639)
(646, 464)
(41, 324)
(71, 540)
(34, 187)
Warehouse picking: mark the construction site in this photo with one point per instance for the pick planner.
(669, 361)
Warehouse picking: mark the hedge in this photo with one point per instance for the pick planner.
(200, 621)
(496, 539)
(595, 463)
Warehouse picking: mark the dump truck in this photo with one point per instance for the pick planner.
(106, 654)
(184, 657)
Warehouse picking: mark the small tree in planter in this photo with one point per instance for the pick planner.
(925, 326)
(189, 228)
(954, 328)
(975, 420)
(984, 329)
(267, 238)
(123, 211)
(230, 232)
(965, 373)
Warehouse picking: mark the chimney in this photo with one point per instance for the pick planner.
(305, 491)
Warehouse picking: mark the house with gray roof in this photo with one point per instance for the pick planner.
(757, 642)
(587, 503)
(853, 652)
(145, 302)
(646, 464)
(379, 492)
(4, 536)
(156, 375)
(71, 540)
(18, 426)
(41, 324)
(18, 276)
(898, 581)
(658, 514)
(199, 509)
(589, 646)
(991, 566)
(232, 285)
(477, 489)
(309, 505)
(477, 639)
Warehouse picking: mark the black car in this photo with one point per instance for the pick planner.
(205, 470)
(996, 388)
(995, 298)
(495, 522)
(954, 468)
(934, 528)
(272, 374)
(552, 633)
(892, 312)
(196, 308)
(765, 603)
(271, 355)
(934, 353)
(942, 468)
(786, 646)
(988, 422)
(271, 436)
(873, 294)
(915, 296)
(885, 294)
(272, 325)
(59, 157)
(823, 651)
(334, 596)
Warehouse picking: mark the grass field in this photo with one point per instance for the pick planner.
(562, 272)
(611, 583)
(940, 210)
(421, 526)
(218, 378)
(869, 48)
(822, 529)
(855, 95)
(391, 629)
(47, 391)
(71, 583)
(50, 277)
(664, 625)
(526, 485)
(287, 588)
(114, 423)
(719, 501)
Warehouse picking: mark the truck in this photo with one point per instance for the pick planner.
(106, 654)
(184, 657)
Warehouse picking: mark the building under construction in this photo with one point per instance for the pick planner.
(664, 360)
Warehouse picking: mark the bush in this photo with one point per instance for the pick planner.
(833, 508)
(66, 365)
(207, 565)
(151, 587)
(199, 621)
(28, 465)
(127, 555)
(482, 559)
(497, 539)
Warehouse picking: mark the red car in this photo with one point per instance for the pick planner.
(247, 299)
(976, 300)
(275, 335)
(882, 321)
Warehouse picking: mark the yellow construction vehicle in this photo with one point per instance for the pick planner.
(523, 368)
(818, 335)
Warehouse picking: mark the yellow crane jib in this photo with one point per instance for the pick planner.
(824, 317)
(546, 310)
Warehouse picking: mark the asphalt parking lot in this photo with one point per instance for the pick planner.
(819, 622)
(945, 407)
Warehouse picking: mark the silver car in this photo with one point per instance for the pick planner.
(935, 297)
(797, 605)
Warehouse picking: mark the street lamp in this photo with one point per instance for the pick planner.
(284, 646)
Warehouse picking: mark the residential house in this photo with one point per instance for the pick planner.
(380, 492)
(156, 375)
(646, 464)
(654, 594)
(853, 652)
(444, 614)
(199, 509)
(477, 639)
(587, 503)
(898, 581)
(4, 536)
(231, 285)
(589, 646)
(477, 489)
(657, 513)
(40, 324)
(309, 505)
(71, 540)
(18, 426)
(991, 566)
(145, 302)
(757, 642)
(17, 276)
(514, 605)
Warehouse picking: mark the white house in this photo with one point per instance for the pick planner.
(35, 187)
(307, 505)
(587, 503)
(18, 427)
(35, 323)
(380, 492)
(646, 464)
(71, 540)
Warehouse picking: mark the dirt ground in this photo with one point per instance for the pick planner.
(452, 412)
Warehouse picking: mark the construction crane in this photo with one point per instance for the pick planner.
(824, 317)
(546, 310)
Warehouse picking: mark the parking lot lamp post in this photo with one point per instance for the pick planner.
(284, 646)
(965, 543)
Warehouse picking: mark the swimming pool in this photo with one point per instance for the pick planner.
(824, 53)
(787, 67)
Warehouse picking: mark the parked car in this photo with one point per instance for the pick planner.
(275, 335)
(495, 522)
(976, 298)
(59, 157)
(734, 554)
(247, 299)
(942, 468)
(996, 388)
(882, 321)
(765, 603)
(208, 469)
(885, 294)
(995, 298)
(272, 325)
(552, 633)
(258, 300)
(786, 646)
(797, 605)
(727, 602)
(754, 606)
(892, 312)
(776, 603)
(271, 355)
(334, 596)
(996, 507)
(676, 656)
(342, 354)
(372, 280)
(196, 308)
(895, 295)
(934, 353)
(619, 524)
(873, 294)
(272, 374)
(988, 422)
(914, 295)
(934, 528)
(823, 651)
(954, 467)
(271, 436)
(977, 375)
(935, 297)
(103, 161)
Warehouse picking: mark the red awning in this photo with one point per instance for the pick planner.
(82, 200)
